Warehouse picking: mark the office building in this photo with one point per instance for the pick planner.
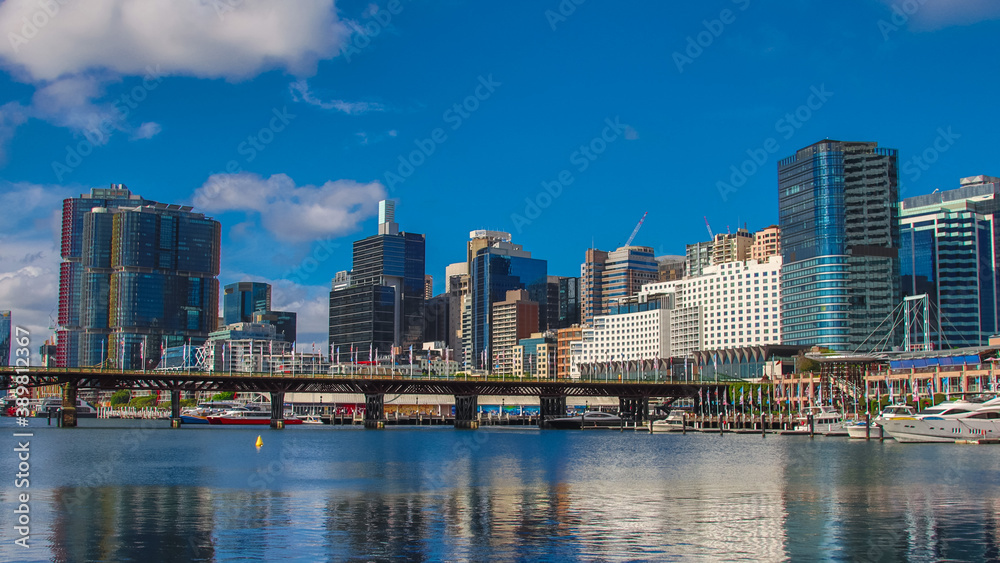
(5, 331)
(563, 307)
(380, 304)
(610, 275)
(241, 300)
(437, 318)
(284, 322)
(428, 286)
(632, 333)
(949, 251)
(137, 276)
(497, 269)
(839, 218)
(766, 243)
(565, 338)
(670, 267)
(513, 319)
(536, 356)
(698, 257)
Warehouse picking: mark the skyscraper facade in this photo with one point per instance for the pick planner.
(392, 261)
(497, 269)
(611, 275)
(241, 300)
(5, 338)
(951, 252)
(563, 308)
(839, 220)
(144, 278)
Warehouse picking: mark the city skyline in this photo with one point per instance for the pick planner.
(328, 133)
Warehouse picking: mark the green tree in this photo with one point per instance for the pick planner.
(121, 397)
(224, 396)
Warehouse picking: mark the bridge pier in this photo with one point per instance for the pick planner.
(374, 411)
(633, 409)
(69, 405)
(465, 411)
(549, 408)
(277, 410)
(175, 409)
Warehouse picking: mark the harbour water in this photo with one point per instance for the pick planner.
(115, 490)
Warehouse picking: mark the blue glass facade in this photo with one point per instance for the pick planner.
(5, 338)
(838, 212)
(240, 301)
(949, 254)
(494, 274)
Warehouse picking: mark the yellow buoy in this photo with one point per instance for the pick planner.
(259, 442)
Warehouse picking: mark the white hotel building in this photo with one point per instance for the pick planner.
(731, 305)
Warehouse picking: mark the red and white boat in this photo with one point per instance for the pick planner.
(245, 416)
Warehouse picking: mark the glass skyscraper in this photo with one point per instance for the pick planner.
(386, 282)
(144, 277)
(496, 270)
(5, 329)
(949, 252)
(242, 299)
(839, 217)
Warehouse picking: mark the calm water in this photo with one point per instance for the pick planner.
(116, 491)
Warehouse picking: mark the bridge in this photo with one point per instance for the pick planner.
(633, 394)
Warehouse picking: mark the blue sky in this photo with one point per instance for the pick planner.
(289, 126)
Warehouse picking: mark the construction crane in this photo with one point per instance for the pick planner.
(710, 235)
(637, 227)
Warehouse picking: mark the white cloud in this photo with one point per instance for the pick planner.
(147, 130)
(301, 93)
(208, 39)
(292, 213)
(311, 303)
(930, 15)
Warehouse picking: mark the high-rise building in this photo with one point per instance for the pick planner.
(950, 251)
(670, 267)
(766, 243)
(428, 286)
(565, 337)
(731, 247)
(391, 262)
(514, 318)
(138, 276)
(497, 269)
(839, 219)
(698, 257)
(437, 317)
(241, 300)
(284, 322)
(536, 356)
(5, 329)
(563, 309)
(71, 270)
(610, 275)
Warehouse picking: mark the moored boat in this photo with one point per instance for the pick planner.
(589, 419)
(859, 430)
(825, 420)
(245, 416)
(973, 419)
(673, 423)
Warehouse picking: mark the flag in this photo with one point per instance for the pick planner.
(370, 352)
(338, 354)
(411, 354)
(760, 396)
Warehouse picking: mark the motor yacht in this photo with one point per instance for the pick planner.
(589, 419)
(673, 423)
(825, 419)
(972, 419)
(859, 430)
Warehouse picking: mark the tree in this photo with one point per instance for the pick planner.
(224, 396)
(121, 397)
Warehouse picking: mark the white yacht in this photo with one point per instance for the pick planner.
(673, 423)
(857, 431)
(825, 419)
(947, 422)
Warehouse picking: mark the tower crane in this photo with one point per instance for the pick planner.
(710, 235)
(637, 227)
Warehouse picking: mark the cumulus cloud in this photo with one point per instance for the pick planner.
(71, 51)
(292, 213)
(301, 93)
(311, 303)
(929, 15)
(208, 39)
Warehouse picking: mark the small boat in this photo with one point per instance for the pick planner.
(589, 419)
(673, 423)
(826, 420)
(312, 419)
(83, 408)
(859, 430)
(245, 416)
